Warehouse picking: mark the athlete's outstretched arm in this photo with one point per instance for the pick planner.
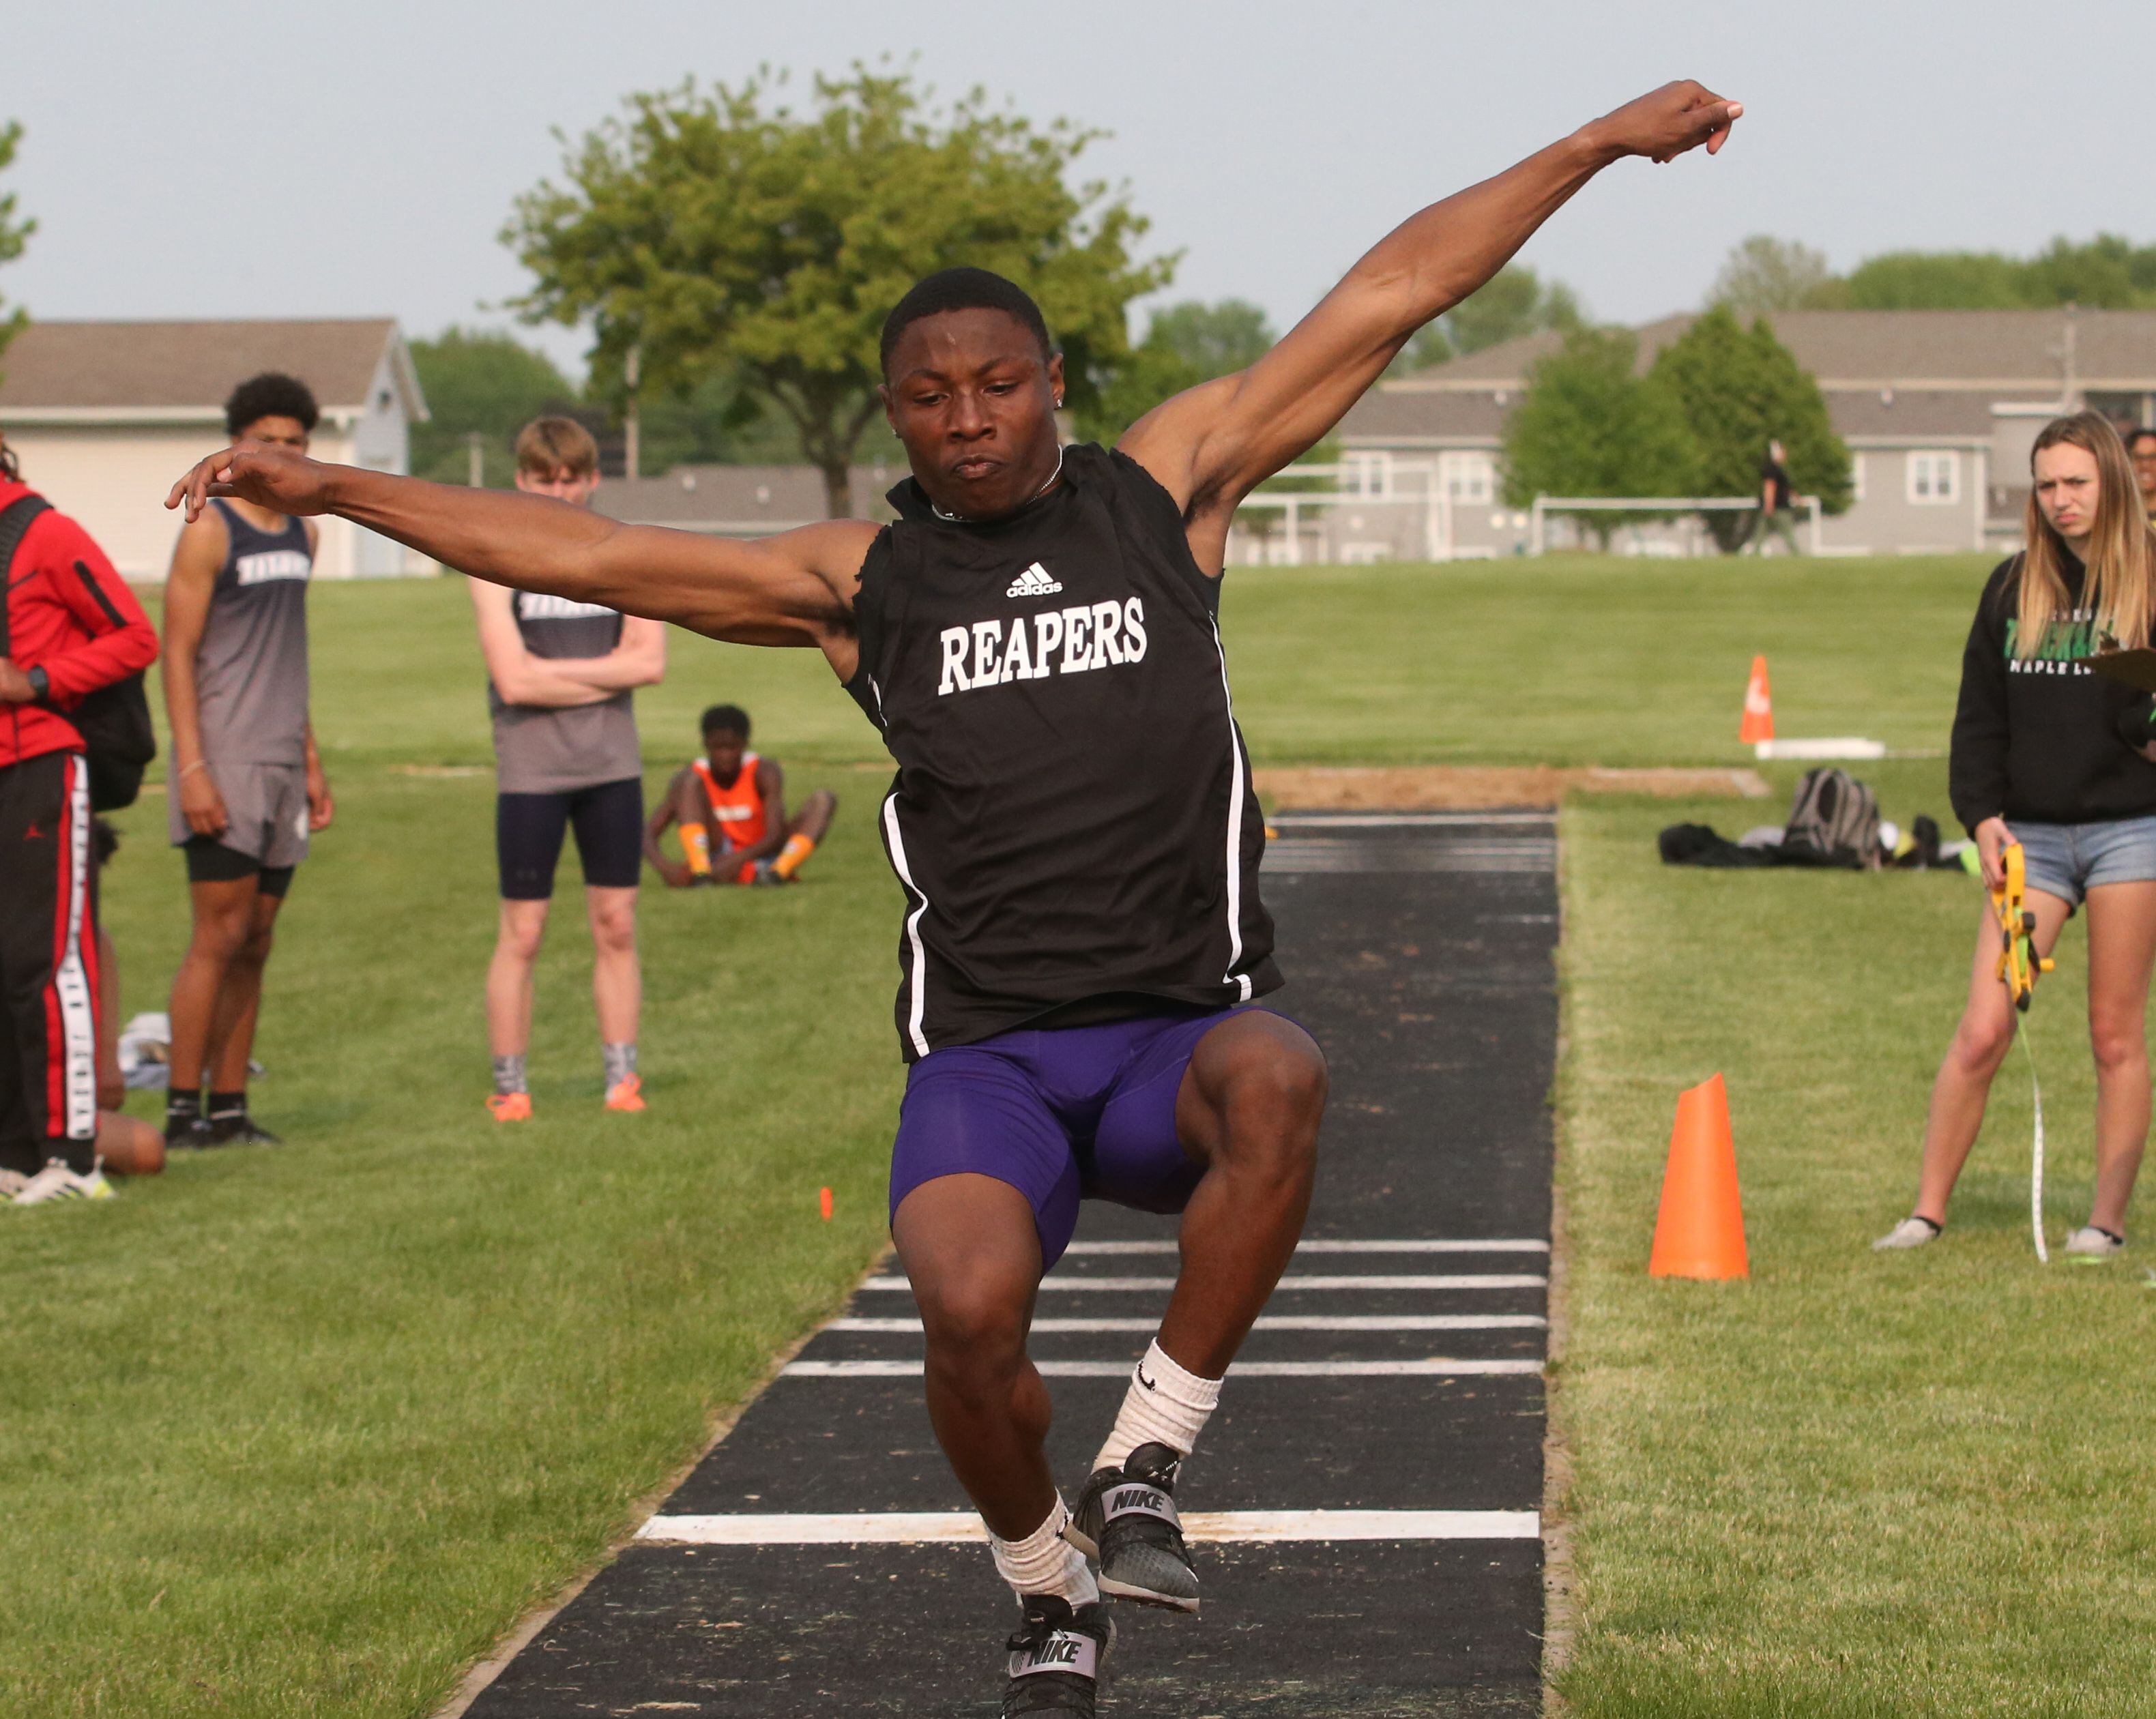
(796, 588)
(1209, 447)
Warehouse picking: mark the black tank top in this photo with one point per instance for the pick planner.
(1073, 819)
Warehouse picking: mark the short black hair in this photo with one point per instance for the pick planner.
(732, 718)
(2134, 433)
(272, 394)
(963, 289)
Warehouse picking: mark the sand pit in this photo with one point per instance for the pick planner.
(1439, 787)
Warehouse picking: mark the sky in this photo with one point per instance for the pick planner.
(267, 160)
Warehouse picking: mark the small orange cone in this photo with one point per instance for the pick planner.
(1700, 1229)
(1758, 723)
(823, 1199)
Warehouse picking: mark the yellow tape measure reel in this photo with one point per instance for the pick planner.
(2019, 962)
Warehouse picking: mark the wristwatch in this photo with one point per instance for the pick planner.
(41, 684)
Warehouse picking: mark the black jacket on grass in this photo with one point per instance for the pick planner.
(2037, 737)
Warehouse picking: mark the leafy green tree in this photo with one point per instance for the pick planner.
(1590, 424)
(1514, 301)
(2107, 272)
(1762, 273)
(15, 233)
(483, 383)
(1184, 345)
(720, 233)
(1737, 388)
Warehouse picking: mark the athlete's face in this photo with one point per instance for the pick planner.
(277, 431)
(724, 748)
(2067, 489)
(2143, 450)
(974, 401)
(564, 484)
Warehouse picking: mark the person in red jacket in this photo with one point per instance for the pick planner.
(69, 626)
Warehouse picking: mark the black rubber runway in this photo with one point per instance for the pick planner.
(1419, 953)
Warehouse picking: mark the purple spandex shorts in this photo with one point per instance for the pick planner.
(1063, 1114)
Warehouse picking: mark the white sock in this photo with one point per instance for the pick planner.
(1166, 1404)
(1045, 1562)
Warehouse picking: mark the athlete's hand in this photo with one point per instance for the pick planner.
(275, 478)
(200, 805)
(678, 876)
(1993, 839)
(321, 804)
(1666, 123)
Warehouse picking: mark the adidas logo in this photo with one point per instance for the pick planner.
(1034, 582)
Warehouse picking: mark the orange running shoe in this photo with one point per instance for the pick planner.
(509, 1106)
(626, 1094)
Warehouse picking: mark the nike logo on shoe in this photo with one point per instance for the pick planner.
(1144, 1380)
(1035, 580)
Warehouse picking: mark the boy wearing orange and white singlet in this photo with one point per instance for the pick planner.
(731, 806)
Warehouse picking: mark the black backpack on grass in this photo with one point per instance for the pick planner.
(113, 721)
(1835, 816)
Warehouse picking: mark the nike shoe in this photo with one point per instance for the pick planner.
(1055, 1657)
(2089, 1243)
(56, 1183)
(12, 1183)
(626, 1094)
(239, 1130)
(1909, 1233)
(509, 1106)
(1126, 1519)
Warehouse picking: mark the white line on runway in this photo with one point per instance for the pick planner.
(1166, 1246)
(1403, 820)
(1434, 1367)
(1274, 1321)
(1295, 1280)
(1219, 1526)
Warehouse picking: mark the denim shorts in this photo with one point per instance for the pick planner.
(2070, 860)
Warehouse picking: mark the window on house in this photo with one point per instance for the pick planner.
(1467, 477)
(1367, 473)
(1934, 477)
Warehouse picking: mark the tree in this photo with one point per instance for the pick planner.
(1591, 425)
(14, 234)
(1764, 273)
(720, 233)
(1737, 387)
(1512, 302)
(2106, 271)
(483, 383)
(1184, 344)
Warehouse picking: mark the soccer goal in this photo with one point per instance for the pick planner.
(1684, 534)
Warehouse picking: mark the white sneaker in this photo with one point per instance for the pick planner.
(2089, 1243)
(56, 1182)
(12, 1183)
(1909, 1233)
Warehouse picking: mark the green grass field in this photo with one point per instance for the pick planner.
(303, 1431)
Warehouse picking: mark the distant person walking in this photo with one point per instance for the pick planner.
(1775, 497)
(2052, 755)
(247, 788)
(69, 627)
(560, 674)
(2141, 448)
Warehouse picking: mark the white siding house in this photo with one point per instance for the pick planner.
(103, 416)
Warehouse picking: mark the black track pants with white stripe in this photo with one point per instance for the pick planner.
(47, 966)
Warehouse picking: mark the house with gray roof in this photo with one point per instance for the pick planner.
(1938, 407)
(103, 416)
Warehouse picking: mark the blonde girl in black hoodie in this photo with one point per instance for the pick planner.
(2049, 754)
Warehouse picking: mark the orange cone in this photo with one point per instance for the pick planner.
(1758, 723)
(1700, 1229)
(823, 1203)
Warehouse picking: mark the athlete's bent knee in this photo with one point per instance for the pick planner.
(974, 1324)
(1980, 1044)
(2118, 1048)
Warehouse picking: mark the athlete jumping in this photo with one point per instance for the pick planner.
(1072, 822)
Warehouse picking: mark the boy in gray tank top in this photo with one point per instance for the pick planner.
(560, 679)
(247, 788)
